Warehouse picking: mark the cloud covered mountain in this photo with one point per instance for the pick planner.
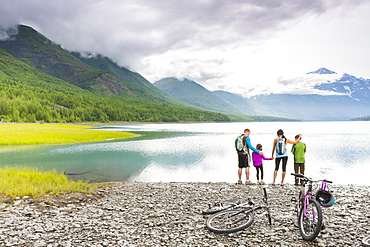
(329, 96)
(42, 82)
(353, 87)
(319, 95)
(95, 74)
(327, 82)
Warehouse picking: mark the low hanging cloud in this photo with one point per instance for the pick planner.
(163, 38)
(305, 84)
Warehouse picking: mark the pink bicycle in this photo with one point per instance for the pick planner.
(309, 210)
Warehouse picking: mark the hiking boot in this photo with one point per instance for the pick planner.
(240, 182)
(249, 183)
(262, 183)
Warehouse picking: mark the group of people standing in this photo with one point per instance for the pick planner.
(279, 153)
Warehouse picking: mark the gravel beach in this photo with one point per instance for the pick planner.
(169, 214)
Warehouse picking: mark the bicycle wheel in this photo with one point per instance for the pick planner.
(219, 206)
(310, 224)
(228, 221)
(366, 241)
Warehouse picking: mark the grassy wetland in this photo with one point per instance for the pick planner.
(26, 134)
(18, 182)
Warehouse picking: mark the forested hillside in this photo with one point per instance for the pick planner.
(98, 75)
(28, 95)
(141, 87)
(366, 118)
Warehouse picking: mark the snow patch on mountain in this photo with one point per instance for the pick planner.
(322, 71)
(323, 82)
(306, 84)
(356, 88)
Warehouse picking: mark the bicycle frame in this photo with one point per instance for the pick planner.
(324, 187)
(306, 198)
(250, 205)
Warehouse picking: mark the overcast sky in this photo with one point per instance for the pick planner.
(243, 46)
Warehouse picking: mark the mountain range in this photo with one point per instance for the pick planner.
(346, 97)
(42, 82)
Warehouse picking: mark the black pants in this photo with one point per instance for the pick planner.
(258, 169)
(284, 161)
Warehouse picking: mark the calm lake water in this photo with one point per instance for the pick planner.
(203, 152)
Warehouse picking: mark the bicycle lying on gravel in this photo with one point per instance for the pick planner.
(238, 218)
(308, 206)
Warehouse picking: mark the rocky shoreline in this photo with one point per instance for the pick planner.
(169, 214)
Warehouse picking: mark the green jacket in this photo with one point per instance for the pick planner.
(298, 150)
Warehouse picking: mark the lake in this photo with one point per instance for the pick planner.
(202, 152)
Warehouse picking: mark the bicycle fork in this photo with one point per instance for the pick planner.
(306, 213)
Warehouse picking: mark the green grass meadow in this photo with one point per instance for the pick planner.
(18, 182)
(25, 134)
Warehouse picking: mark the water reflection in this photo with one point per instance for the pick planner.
(202, 152)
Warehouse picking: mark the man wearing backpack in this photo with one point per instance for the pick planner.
(244, 156)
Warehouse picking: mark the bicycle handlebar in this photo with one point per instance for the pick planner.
(303, 177)
(297, 175)
(309, 179)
